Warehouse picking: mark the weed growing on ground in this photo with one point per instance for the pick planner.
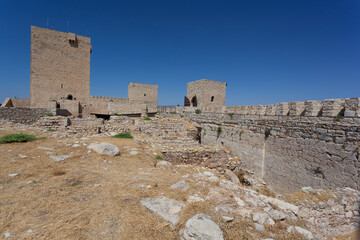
(51, 130)
(173, 112)
(158, 157)
(197, 111)
(123, 135)
(17, 137)
(147, 118)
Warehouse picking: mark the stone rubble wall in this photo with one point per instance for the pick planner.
(23, 115)
(349, 107)
(212, 159)
(90, 125)
(289, 152)
(166, 109)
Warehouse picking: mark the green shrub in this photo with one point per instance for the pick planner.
(17, 137)
(181, 116)
(197, 111)
(50, 114)
(231, 115)
(267, 133)
(173, 112)
(123, 135)
(51, 130)
(219, 130)
(147, 118)
(158, 157)
(116, 114)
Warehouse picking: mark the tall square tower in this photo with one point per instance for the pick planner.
(60, 66)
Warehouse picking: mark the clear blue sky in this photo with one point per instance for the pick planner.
(267, 51)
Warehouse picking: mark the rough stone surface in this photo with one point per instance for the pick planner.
(105, 148)
(232, 176)
(60, 158)
(165, 207)
(163, 164)
(182, 185)
(201, 227)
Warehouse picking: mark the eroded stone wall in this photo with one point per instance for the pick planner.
(289, 152)
(23, 115)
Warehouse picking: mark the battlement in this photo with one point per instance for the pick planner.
(348, 107)
(114, 99)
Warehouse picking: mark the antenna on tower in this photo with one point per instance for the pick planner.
(53, 26)
(47, 22)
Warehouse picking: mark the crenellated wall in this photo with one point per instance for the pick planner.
(299, 144)
(328, 108)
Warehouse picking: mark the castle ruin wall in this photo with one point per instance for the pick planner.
(291, 151)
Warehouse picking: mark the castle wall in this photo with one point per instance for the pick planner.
(292, 151)
(16, 102)
(23, 115)
(60, 66)
(145, 93)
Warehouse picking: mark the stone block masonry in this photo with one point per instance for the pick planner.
(349, 107)
(60, 66)
(290, 152)
(23, 115)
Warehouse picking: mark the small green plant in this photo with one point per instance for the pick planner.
(123, 135)
(339, 117)
(231, 115)
(116, 114)
(75, 184)
(158, 157)
(17, 137)
(50, 114)
(197, 111)
(147, 118)
(181, 116)
(51, 130)
(267, 133)
(173, 112)
(219, 130)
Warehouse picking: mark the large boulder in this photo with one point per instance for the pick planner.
(201, 227)
(165, 207)
(105, 148)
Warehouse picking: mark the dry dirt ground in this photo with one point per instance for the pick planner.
(92, 196)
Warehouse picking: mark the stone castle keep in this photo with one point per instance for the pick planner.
(60, 79)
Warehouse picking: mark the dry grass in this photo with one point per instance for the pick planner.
(87, 197)
(58, 172)
(301, 197)
(351, 236)
(266, 191)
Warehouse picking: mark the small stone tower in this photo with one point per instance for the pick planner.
(205, 93)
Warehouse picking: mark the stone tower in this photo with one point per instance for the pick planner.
(205, 93)
(60, 66)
